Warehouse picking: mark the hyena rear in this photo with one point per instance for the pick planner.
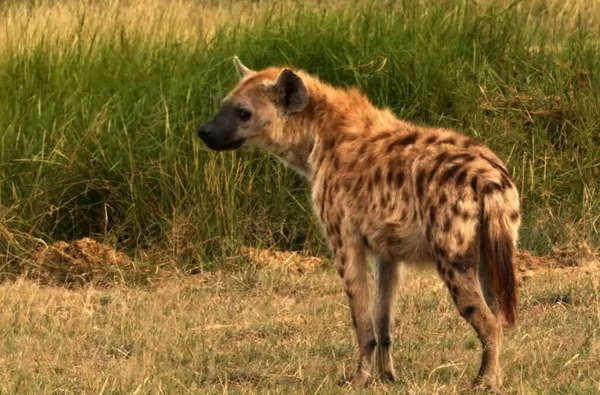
(399, 192)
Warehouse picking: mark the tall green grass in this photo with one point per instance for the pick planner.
(99, 132)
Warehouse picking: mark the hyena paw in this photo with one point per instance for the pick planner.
(389, 375)
(359, 379)
(488, 383)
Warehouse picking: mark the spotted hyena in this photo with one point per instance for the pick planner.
(382, 187)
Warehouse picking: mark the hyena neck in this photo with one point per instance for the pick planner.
(330, 115)
(297, 151)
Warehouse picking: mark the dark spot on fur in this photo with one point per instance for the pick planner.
(464, 216)
(462, 176)
(402, 141)
(455, 209)
(432, 212)
(341, 271)
(490, 188)
(449, 173)
(377, 176)
(468, 312)
(431, 139)
(440, 252)
(366, 241)
(450, 275)
(506, 181)
(399, 178)
(514, 217)
(420, 183)
(362, 150)
(453, 292)
(328, 144)
(372, 344)
(390, 177)
(443, 199)
(439, 160)
(474, 183)
(447, 225)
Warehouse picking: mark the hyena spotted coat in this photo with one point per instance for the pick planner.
(382, 187)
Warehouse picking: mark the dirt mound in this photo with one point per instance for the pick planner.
(560, 257)
(79, 262)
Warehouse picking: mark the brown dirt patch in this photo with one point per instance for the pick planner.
(581, 255)
(80, 262)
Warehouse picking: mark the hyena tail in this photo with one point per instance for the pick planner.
(498, 250)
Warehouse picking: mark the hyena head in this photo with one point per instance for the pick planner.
(257, 110)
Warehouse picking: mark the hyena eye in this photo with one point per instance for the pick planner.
(244, 114)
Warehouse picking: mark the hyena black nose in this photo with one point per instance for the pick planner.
(203, 131)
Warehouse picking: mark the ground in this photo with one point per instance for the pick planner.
(282, 325)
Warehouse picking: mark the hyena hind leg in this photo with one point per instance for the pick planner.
(463, 284)
(387, 277)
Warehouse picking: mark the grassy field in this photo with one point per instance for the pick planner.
(270, 329)
(101, 103)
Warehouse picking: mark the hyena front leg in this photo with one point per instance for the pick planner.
(352, 265)
(387, 277)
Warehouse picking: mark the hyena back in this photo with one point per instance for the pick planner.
(381, 187)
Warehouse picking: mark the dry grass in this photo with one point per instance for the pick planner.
(270, 329)
(24, 23)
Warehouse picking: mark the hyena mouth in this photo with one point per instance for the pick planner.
(220, 146)
(218, 142)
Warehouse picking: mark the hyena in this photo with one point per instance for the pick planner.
(396, 191)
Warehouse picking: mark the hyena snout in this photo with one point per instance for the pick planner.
(221, 132)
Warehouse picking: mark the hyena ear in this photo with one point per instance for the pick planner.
(290, 92)
(242, 70)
